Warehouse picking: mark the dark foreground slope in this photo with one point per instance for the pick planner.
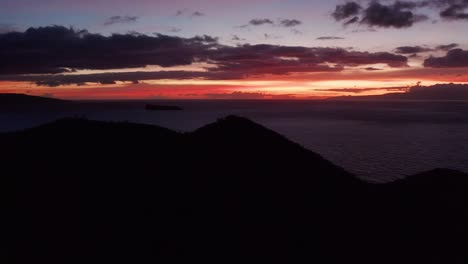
(78, 191)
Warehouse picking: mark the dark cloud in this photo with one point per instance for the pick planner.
(185, 11)
(260, 21)
(351, 21)
(273, 59)
(60, 50)
(205, 39)
(106, 78)
(120, 19)
(346, 10)
(108, 82)
(398, 15)
(373, 69)
(411, 49)
(198, 14)
(449, 91)
(290, 22)
(237, 38)
(454, 58)
(414, 50)
(447, 47)
(329, 38)
(454, 9)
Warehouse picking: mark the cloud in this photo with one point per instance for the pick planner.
(454, 58)
(351, 21)
(205, 39)
(249, 60)
(290, 22)
(34, 52)
(447, 47)
(260, 21)
(120, 19)
(106, 78)
(329, 38)
(414, 50)
(198, 14)
(398, 14)
(411, 49)
(454, 9)
(346, 10)
(182, 12)
(237, 38)
(372, 69)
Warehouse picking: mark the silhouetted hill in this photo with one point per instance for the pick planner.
(28, 102)
(79, 191)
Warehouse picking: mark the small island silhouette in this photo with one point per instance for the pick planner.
(82, 191)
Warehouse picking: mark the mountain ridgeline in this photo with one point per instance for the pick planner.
(80, 191)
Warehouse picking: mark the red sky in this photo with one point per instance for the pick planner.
(217, 50)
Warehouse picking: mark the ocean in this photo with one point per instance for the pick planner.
(378, 141)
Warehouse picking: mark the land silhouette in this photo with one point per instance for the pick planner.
(82, 191)
(438, 92)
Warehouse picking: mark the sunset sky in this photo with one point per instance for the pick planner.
(220, 49)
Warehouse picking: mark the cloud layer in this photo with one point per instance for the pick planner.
(120, 19)
(53, 50)
(398, 14)
(454, 58)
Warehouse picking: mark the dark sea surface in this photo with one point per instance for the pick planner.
(379, 141)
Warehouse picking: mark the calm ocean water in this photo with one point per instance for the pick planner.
(378, 141)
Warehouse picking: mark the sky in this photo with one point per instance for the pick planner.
(219, 49)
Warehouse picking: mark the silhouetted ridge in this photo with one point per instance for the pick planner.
(75, 125)
(79, 191)
(24, 98)
(236, 138)
(29, 102)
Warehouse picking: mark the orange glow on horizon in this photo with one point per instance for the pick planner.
(351, 82)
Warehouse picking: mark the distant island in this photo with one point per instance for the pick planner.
(82, 191)
(438, 92)
(153, 107)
